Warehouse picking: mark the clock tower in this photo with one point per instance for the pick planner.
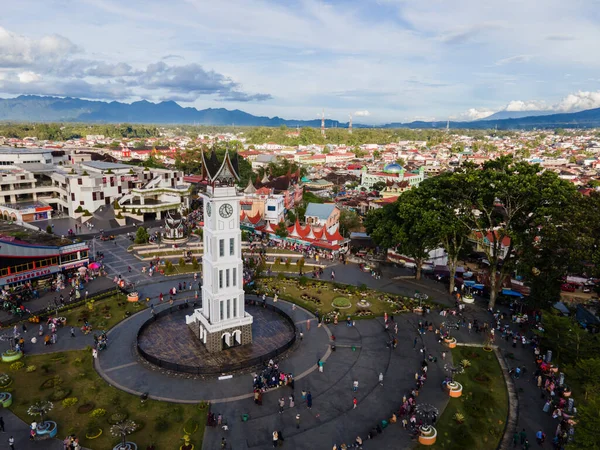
(222, 322)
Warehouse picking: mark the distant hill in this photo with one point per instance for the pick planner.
(583, 119)
(500, 115)
(33, 108)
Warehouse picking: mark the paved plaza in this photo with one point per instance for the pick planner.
(332, 418)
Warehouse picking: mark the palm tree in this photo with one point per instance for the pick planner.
(40, 408)
(122, 429)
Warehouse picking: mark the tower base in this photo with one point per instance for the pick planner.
(222, 338)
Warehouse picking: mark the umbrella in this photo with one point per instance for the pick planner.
(82, 269)
(94, 266)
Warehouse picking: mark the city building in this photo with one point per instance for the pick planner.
(325, 215)
(37, 257)
(391, 172)
(222, 321)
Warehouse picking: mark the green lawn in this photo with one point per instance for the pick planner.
(319, 295)
(484, 404)
(160, 423)
(102, 314)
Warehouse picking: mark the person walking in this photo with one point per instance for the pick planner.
(72, 332)
(381, 378)
(415, 344)
(515, 439)
(275, 438)
(281, 405)
(320, 364)
(11, 443)
(297, 421)
(2, 424)
(523, 436)
(292, 401)
(354, 403)
(355, 386)
(309, 400)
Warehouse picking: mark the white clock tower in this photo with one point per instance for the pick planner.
(222, 322)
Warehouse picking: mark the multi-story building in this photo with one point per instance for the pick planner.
(394, 173)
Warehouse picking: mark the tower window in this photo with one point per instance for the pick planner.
(221, 247)
(221, 279)
(231, 247)
(221, 309)
(234, 276)
(234, 307)
(226, 277)
(228, 308)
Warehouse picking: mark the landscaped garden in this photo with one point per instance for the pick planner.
(476, 420)
(102, 314)
(331, 298)
(83, 404)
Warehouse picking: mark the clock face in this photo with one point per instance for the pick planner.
(226, 210)
(208, 209)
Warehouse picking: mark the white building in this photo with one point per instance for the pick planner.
(393, 173)
(222, 322)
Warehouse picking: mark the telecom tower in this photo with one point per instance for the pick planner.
(350, 125)
(323, 123)
(448, 126)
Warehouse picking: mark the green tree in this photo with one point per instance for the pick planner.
(141, 236)
(349, 221)
(505, 203)
(405, 225)
(281, 230)
(587, 435)
(586, 372)
(49, 229)
(379, 186)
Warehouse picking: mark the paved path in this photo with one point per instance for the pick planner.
(332, 419)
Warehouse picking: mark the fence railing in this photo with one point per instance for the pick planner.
(207, 370)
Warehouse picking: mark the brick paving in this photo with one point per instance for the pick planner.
(170, 339)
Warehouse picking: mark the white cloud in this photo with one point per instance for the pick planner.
(473, 114)
(29, 77)
(20, 51)
(514, 60)
(518, 105)
(579, 101)
(363, 113)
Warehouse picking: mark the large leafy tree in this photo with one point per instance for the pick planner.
(505, 204)
(407, 226)
(442, 197)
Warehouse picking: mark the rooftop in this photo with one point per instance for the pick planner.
(12, 232)
(23, 151)
(101, 165)
(320, 210)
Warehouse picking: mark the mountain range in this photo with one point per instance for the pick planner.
(33, 108)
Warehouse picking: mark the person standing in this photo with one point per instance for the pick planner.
(381, 378)
(320, 364)
(355, 386)
(72, 332)
(309, 400)
(292, 401)
(297, 421)
(2, 424)
(415, 344)
(281, 405)
(354, 403)
(523, 436)
(275, 438)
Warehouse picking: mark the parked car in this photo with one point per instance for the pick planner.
(567, 287)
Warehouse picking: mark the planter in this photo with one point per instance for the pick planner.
(48, 428)
(127, 446)
(187, 447)
(11, 355)
(450, 342)
(6, 399)
(454, 389)
(428, 435)
(468, 299)
(133, 297)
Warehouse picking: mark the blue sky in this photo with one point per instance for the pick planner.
(379, 60)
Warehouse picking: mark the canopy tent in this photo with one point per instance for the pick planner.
(469, 283)
(511, 293)
(560, 306)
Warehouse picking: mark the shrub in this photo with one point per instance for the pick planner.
(169, 267)
(181, 263)
(161, 424)
(465, 363)
(98, 412)
(459, 417)
(30, 369)
(5, 380)
(117, 417)
(18, 365)
(60, 394)
(49, 229)
(195, 264)
(79, 209)
(302, 281)
(71, 401)
(341, 302)
(86, 213)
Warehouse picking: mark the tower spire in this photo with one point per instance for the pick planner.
(350, 125)
(323, 123)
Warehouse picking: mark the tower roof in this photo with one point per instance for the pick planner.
(225, 171)
(250, 189)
